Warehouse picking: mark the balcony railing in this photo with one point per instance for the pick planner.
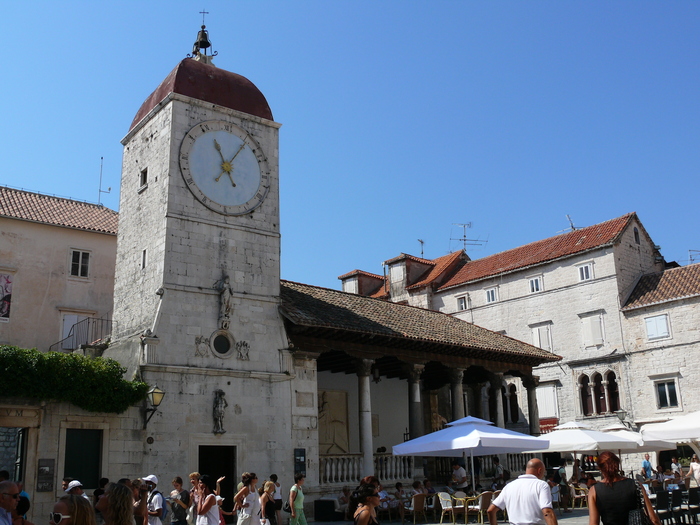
(347, 468)
(86, 332)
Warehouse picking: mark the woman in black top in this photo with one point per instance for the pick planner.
(612, 500)
(366, 499)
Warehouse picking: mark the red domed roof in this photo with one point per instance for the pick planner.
(211, 84)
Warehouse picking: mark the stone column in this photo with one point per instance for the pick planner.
(530, 383)
(496, 392)
(607, 396)
(478, 401)
(591, 392)
(415, 405)
(456, 378)
(364, 371)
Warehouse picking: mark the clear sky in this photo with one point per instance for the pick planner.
(400, 118)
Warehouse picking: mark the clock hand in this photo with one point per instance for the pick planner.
(229, 176)
(239, 150)
(218, 148)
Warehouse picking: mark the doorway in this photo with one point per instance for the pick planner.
(218, 461)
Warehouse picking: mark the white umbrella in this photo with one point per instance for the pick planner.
(679, 429)
(469, 434)
(620, 430)
(573, 438)
(477, 436)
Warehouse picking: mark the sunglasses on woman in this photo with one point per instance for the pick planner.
(56, 517)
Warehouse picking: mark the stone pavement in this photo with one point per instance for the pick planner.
(577, 517)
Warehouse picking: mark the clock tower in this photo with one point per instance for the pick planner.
(198, 267)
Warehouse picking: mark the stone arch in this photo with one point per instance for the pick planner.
(586, 398)
(599, 402)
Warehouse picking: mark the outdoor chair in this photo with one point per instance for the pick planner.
(445, 505)
(677, 508)
(480, 506)
(417, 507)
(459, 501)
(580, 497)
(385, 510)
(662, 506)
(694, 503)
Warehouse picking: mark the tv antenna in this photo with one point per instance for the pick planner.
(422, 242)
(101, 191)
(572, 227)
(693, 255)
(463, 239)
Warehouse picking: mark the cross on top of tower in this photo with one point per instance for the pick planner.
(203, 12)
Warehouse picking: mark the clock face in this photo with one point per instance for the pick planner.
(224, 167)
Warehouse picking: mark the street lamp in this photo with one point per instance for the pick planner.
(155, 397)
(621, 415)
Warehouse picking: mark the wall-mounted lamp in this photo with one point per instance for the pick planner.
(621, 415)
(155, 397)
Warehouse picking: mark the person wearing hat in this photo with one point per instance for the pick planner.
(155, 501)
(76, 488)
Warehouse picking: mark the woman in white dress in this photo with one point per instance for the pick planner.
(248, 501)
(693, 472)
(207, 509)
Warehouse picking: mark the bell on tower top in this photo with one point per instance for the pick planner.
(199, 50)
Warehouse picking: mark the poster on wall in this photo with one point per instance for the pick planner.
(5, 296)
(333, 422)
(44, 475)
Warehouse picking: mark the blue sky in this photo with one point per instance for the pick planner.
(400, 118)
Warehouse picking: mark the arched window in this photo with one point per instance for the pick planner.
(586, 399)
(514, 409)
(613, 391)
(599, 394)
(636, 235)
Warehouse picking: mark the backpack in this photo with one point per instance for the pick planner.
(166, 505)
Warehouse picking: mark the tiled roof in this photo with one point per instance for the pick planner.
(411, 257)
(546, 250)
(313, 307)
(360, 272)
(440, 265)
(669, 285)
(45, 209)
(383, 291)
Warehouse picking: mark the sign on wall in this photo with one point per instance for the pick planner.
(45, 474)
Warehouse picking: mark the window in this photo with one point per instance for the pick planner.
(547, 401)
(535, 284)
(666, 396)
(613, 391)
(586, 397)
(585, 272)
(83, 455)
(79, 263)
(542, 336)
(143, 259)
(636, 235)
(143, 178)
(462, 303)
(592, 326)
(73, 330)
(657, 327)
(599, 394)
(491, 295)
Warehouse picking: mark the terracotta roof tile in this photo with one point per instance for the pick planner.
(411, 257)
(669, 285)
(313, 307)
(440, 265)
(546, 250)
(360, 272)
(58, 211)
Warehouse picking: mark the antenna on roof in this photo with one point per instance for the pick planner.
(463, 239)
(421, 241)
(101, 191)
(693, 255)
(572, 227)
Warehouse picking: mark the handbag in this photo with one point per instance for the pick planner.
(639, 516)
(286, 507)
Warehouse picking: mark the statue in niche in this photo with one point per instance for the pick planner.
(220, 405)
(242, 347)
(201, 346)
(225, 302)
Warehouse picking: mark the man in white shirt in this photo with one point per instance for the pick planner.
(76, 488)
(527, 499)
(459, 476)
(9, 497)
(155, 501)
